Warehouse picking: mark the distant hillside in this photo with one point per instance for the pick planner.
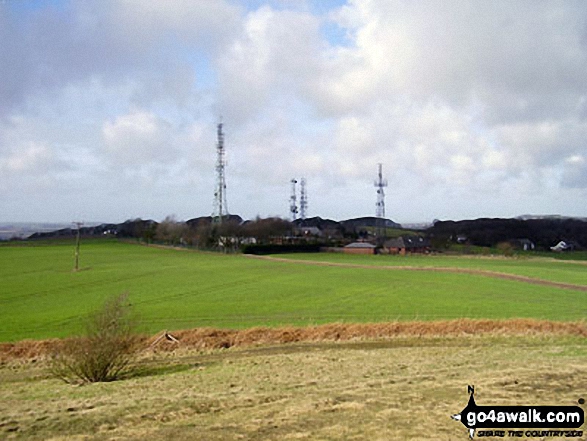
(130, 228)
(369, 221)
(489, 232)
(23, 230)
(544, 232)
(317, 222)
(146, 228)
(208, 219)
(548, 216)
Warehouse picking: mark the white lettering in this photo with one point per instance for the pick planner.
(471, 418)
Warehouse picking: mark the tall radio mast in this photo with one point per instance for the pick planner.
(220, 205)
(293, 207)
(380, 184)
(303, 199)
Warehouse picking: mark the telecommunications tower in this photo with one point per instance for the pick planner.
(380, 184)
(303, 199)
(293, 207)
(220, 205)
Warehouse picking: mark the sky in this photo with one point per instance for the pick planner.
(108, 108)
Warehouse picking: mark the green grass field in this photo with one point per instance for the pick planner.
(40, 296)
(566, 271)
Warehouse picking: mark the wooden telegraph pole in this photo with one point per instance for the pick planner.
(77, 241)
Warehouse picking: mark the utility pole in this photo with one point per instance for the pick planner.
(77, 243)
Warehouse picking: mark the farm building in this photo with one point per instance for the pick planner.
(407, 244)
(563, 246)
(308, 232)
(523, 244)
(359, 248)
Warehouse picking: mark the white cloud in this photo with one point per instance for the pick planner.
(137, 138)
(29, 158)
(518, 58)
(494, 159)
(276, 55)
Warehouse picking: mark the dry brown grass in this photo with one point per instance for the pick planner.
(394, 389)
(202, 338)
(210, 338)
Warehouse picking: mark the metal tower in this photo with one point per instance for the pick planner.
(220, 205)
(380, 183)
(293, 207)
(303, 199)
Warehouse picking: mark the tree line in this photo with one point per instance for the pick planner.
(204, 233)
(544, 233)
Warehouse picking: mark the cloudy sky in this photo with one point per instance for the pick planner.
(108, 108)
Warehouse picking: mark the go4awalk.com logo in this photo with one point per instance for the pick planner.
(521, 421)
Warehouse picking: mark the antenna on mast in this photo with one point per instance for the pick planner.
(303, 199)
(220, 205)
(293, 207)
(380, 184)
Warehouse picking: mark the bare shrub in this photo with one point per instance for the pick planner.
(506, 248)
(105, 351)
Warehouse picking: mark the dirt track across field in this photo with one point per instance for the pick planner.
(477, 272)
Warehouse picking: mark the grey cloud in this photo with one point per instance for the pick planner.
(54, 46)
(543, 144)
(575, 171)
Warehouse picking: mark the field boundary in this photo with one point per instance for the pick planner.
(476, 272)
(214, 338)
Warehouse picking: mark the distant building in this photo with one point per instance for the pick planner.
(308, 231)
(563, 246)
(407, 244)
(461, 238)
(523, 244)
(359, 248)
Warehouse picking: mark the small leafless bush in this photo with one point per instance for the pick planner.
(105, 351)
(506, 248)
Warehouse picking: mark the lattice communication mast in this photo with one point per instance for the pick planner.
(220, 205)
(380, 184)
(293, 207)
(303, 199)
